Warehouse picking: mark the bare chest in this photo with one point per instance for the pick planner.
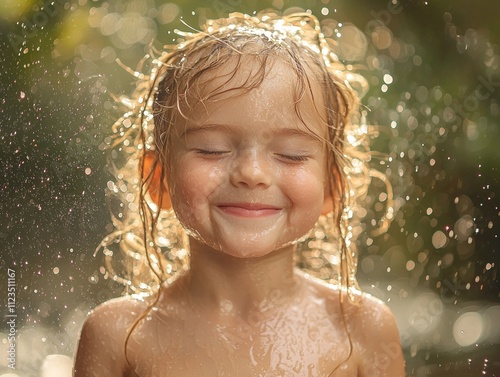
(294, 344)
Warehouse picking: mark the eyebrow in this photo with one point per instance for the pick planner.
(206, 128)
(291, 132)
(294, 132)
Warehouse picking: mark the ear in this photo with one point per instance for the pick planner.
(157, 189)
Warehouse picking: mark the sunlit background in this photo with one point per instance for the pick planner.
(434, 71)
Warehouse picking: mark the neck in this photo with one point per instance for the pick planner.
(229, 285)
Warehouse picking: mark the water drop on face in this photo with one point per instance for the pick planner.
(226, 306)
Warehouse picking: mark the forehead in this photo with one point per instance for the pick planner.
(270, 89)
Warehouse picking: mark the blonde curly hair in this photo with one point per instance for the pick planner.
(153, 245)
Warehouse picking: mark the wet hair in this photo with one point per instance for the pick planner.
(153, 244)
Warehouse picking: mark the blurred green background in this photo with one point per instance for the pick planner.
(434, 74)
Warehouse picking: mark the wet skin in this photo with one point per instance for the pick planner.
(246, 175)
(299, 335)
(246, 178)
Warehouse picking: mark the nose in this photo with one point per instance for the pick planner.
(251, 170)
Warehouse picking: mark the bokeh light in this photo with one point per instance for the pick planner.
(468, 328)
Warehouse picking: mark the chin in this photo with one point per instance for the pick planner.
(251, 254)
(254, 251)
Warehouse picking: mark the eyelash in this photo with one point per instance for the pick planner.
(294, 158)
(210, 153)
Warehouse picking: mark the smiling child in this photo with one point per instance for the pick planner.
(239, 145)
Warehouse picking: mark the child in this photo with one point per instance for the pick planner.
(238, 134)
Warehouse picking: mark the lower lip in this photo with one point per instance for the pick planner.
(245, 212)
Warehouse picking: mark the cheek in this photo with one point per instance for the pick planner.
(192, 184)
(306, 189)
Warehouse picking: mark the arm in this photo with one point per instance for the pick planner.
(100, 349)
(380, 350)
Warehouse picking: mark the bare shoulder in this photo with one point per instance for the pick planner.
(103, 335)
(122, 310)
(377, 338)
(372, 328)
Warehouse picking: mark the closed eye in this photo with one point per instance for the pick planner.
(211, 153)
(295, 158)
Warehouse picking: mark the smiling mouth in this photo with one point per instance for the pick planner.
(249, 209)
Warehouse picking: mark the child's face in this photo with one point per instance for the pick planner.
(246, 176)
